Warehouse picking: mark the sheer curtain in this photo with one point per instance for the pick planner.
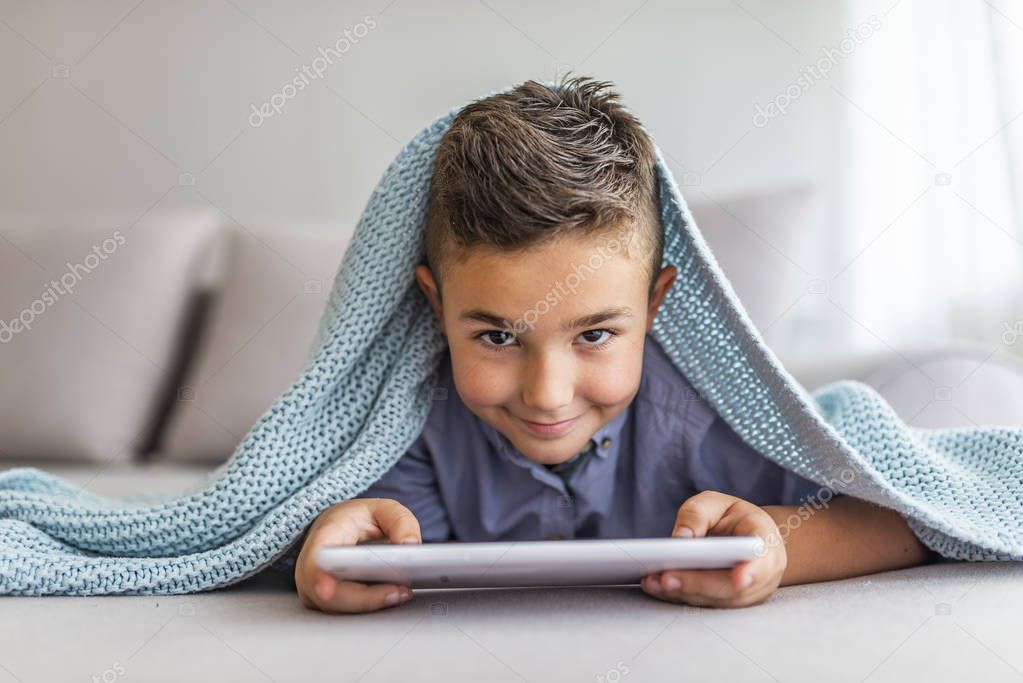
(928, 232)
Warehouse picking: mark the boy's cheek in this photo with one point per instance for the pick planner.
(613, 383)
(481, 383)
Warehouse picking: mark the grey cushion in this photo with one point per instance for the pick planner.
(100, 301)
(961, 386)
(763, 241)
(257, 336)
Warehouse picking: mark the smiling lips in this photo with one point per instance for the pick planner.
(551, 428)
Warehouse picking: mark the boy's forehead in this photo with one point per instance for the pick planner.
(564, 278)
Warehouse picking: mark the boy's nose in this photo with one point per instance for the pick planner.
(547, 389)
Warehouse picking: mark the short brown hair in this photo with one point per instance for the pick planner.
(531, 164)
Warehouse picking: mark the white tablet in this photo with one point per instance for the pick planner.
(532, 563)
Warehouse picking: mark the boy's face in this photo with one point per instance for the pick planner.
(537, 362)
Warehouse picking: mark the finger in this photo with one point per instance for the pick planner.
(708, 588)
(701, 512)
(365, 520)
(709, 583)
(763, 566)
(652, 585)
(337, 597)
(746, 574)
(753, 595)
(743, 599)
(397, 523)
(342, 526)
(346, 523)
(744, 577)
(349, 524)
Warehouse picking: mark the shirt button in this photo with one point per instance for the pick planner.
(605, 443)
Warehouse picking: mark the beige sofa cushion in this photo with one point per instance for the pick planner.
(962, 385)
(89, 312)
(257, 337)
(764, 242)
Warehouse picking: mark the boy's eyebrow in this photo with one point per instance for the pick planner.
(587, 320)
(592, 319)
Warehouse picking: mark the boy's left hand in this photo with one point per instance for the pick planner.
(748, 583)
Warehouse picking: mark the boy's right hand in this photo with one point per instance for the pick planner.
(349, 523)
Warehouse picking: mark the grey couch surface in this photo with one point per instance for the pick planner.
(948, 621)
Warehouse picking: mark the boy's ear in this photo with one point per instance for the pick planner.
(424, 278)
(661, 286)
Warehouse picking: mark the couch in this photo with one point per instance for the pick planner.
(139, 349)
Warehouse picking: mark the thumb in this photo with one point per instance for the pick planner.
(701, 512)
(396, 522)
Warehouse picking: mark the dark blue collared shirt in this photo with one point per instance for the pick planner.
(465, 481)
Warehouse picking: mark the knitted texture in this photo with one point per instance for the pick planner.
(365, 393)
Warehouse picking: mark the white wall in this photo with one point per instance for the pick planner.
(158, 89)
(132, 105)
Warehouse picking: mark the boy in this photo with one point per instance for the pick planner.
(558, 416)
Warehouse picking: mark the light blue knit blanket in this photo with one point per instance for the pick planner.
(364, 397)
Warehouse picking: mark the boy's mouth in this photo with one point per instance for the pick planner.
(551, 428)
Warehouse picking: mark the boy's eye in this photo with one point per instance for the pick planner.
(498, 338)
(596, 337)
